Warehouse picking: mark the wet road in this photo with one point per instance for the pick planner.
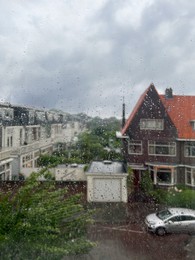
(129, 240)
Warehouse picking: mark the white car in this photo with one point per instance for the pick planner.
(171, 220)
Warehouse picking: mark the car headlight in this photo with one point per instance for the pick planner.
(151, 223)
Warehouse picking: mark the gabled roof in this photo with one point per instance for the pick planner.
(181, 110)
(136, 108)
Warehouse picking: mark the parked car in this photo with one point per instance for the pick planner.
(171, 220)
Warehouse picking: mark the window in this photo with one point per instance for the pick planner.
(151, 124)
(135, 147)
(162, 175)
(31, 116)
(27, 161)
(8, 113)
(161, 148)
(81, 60)
(163, 214)
(176, 219)
(190, 176)
(187, 218)
(193, 124)
(189, 149)
(5, 172)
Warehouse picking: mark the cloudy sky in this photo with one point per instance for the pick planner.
(85, 55)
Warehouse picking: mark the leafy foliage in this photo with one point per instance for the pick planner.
(180, 198)
(146, 182)
(130, 178)
(48, 160)
(42, 222)
(99, 143)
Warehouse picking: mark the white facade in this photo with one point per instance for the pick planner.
(71, 172)
(106, 182)
(25, 133)
(26, 143)
(71, 130)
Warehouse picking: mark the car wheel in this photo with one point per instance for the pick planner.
(160, 231)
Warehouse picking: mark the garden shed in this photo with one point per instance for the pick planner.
(106, 182)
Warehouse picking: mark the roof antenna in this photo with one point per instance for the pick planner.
(123, 115)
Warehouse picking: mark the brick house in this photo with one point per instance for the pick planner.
(159, 137)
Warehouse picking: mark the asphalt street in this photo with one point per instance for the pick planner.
(120, 234)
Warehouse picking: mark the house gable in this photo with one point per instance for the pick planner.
(151, 107)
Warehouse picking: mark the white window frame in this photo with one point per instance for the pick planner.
(153, 145)
(5, 171)
(191, 172)
(28, 160)
(151, 124)
(135, 143)
(188, 149)
(155, 172)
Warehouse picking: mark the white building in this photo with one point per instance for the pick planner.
(25, 133)
(106, 182)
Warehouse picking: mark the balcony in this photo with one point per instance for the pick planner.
(5, 154)
(32, 147)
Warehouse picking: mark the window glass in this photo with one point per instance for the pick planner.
(176, 219)
(162, 148)
(135, 147)
(164, 176)
(152, 124)
(104, 83)
(189, 149)
(164, 214)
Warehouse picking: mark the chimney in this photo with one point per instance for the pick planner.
(168, 93)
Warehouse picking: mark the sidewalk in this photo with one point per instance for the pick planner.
(114, 213)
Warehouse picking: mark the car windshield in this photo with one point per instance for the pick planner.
(164, 214)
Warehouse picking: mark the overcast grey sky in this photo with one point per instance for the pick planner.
(85, 55)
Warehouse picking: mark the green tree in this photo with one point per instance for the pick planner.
(47, 160)
(42, 222)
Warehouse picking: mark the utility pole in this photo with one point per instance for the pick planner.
(123, 115)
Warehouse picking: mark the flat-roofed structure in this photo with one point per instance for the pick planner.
(106, 182)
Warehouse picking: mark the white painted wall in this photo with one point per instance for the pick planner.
(26, 172)
(14, 132)
(68, 173)
(60, 173)
(106, 187)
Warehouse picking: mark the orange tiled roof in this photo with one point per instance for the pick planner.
(181, 110)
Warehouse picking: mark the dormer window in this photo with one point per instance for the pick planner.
(151, 124)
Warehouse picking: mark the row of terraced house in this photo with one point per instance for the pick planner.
(26, 132)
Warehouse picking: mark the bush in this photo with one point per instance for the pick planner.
(146, 183)
(42, 222)
(181, 198)
(159, 195)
